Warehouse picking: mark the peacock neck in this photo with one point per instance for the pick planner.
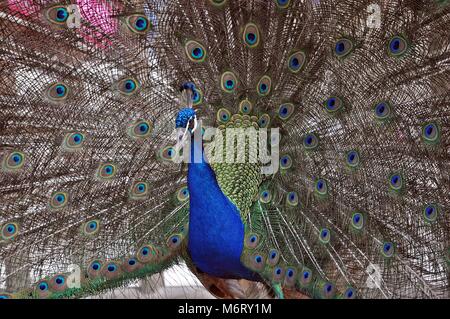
(216, 231)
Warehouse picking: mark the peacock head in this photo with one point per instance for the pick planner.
(185, 117)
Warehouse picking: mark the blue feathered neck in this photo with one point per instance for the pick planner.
(216, 231)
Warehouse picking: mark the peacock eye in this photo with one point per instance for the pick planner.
(13, 161)
(264, 121)
(9, 231)
(431, 133)
(245, 107)
(91, 227)
(357, 220)
(106, 171)
(325, 236)
(285, 111)
(57, 15)
(349, 293)
(264, 86)
(283, 4)
(138, 24)
(183, 194)
(430, 213)
(73, 141)
(352, 159)
(195, 51)
(382, 111)
(223, 116)
(396, 182)
(59, 200)
(343, 47)
(285, 162)
(265, 196)
(296, 61)
(57, 92)
(292, 199)
(128, 86)
(228, 82)
(321, 187)
(388, 249)
(139, 129)
(333, 104)
(310, 142)
(174, 241)
(397, 46)
(251, 35)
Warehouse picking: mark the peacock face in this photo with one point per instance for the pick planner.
(184, 116)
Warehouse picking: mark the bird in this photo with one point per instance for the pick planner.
(118, 159)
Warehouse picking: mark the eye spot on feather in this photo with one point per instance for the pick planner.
(183, 194)
(333, 104)
(397, 46)
(430, 213)
(343, 47)
(396, 182)
(13, 161)
(357, 221)
(10, 231)
(292, 199)
(349, 293)
(128, 86)
(91, 227)
(352, 159)
(106, 171)
(59, 200)
(327, 290)
(264, 86)
(382, 111)
(273, 257)
(58, 283)
(139, 129)
(228, 82)
(139, 190)
(285, 162)
(218, 3)
(283, 4)
(223, 116)
(325, 236)
(290, 277)
(147, 254)
(264, 121)
(174, 242)
(388, 249)
(57, 92)
(57, 15)
(321, 187)
(431, 133)
(245, 107)
(197, 97)
(255, 261)
(138, 23)
(251, 35)
(310, 142)
(252, 241)
(195, 51)
(73, 141)
(296, 61)
(305, 277)
(265, 196)
(285, 111)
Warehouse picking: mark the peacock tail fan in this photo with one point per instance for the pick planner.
(93, 196)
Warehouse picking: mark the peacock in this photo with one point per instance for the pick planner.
(118, 159)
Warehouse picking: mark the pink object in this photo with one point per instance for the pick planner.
(99, 14)
(24, 7)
